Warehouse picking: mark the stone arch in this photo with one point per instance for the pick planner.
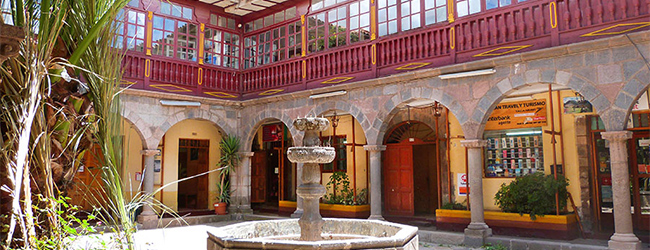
(134, 120)
(616, 118)
(262, 117)
(475, 126)
(390, 109)
(159, 130)
(344, 106)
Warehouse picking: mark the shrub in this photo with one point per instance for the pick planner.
(340, 183)
(455, 206)
(533, 194)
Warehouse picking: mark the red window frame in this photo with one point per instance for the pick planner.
(221, 48)
(401, 15)
(274, 45)
(131, 30)
(175, 38)
(338, 24)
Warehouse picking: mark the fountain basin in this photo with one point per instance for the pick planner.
(337, 234)
(319, 155)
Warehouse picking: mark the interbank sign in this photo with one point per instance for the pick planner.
(511, 115)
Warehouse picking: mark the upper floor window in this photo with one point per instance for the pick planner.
(266, 21)
(176, 10)
(221, 48)
(5, 11)
(274, 45)
(223, 22)
(174, 38)
(402, 15)
(467, 7)
(339, 26)
(130, 30)
(320, 4)
(134, 3)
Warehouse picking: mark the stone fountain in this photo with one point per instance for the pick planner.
(311, 231)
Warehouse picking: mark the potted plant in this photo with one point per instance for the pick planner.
(229, 159)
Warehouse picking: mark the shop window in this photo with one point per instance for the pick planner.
(174, 38)
(340, 162)
(514, 152)
(435, 11)
(130, 30)
(467, 7)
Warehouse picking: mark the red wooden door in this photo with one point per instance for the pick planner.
(398, 180)
(258, 177)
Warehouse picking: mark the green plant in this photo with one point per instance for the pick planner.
(342, 193)
(489, 246)
(229, 159)
(455, 205)
(533, 194)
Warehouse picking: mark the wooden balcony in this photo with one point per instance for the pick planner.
(517, 28)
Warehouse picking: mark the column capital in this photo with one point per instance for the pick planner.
(616, 135)
(246, 154)
(149, 152)
(374, 148)
(473, 143)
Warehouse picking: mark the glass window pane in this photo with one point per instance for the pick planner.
(415, 21)
(279, 17)
(354, 9)
(504, 2)
(176, 10)
(415, 6)
(429, 4)
(406, 10)
(491, 4)
(232, 24)
(442, 14)
(365, 6)
(165, 8)
(342, 13)
(392, 12)
(213, 19)
(440, 3)
(383, 29)
(187, 13)
(140, 18)
(364, 20)
(140, 32)
(474, 6)
(290, 13)
(134, 3)
(169, 24)
(382, 16)
(268, 20)
(430, 17)
(157, 22)
(406, 24)
(132, 17)
(354, 23)
(392, 27)
(461, 8)
(381, 4)
(331, 15)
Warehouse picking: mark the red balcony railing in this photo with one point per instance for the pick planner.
(524, 26)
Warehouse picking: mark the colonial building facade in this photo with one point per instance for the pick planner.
(415, 88)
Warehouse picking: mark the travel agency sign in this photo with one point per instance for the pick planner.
(513, 115)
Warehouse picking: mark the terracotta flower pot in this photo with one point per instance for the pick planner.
(220, 208)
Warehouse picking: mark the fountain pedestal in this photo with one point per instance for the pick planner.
(311, 231)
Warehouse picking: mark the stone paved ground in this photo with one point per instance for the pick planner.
(191, 238)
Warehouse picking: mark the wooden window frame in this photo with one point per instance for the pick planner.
(278, 42)
(227, 54)
(131, 20)
(159, 47)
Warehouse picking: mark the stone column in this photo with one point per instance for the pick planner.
(299, 210)
(241, 186)
(477, 230)
(375, 180)
(148, 218)
(623, 237)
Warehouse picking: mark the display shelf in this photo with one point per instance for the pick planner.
(513, 153)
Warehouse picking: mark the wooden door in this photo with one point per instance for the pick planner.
(202, 193)
(398, 180)
(87, 182)
(258, 177)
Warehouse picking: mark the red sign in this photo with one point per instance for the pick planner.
(272, 132)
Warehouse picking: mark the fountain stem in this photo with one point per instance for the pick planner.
(311, 154)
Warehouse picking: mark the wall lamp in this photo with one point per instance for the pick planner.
(468, 73)
(180, 103)
(328, 94)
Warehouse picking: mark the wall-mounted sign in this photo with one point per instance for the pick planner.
(463, 185)
(575, 105)
(272, 132)
(511, 115)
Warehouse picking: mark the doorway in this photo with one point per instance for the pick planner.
(410, 171)
(193, 156)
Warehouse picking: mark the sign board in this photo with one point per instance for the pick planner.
(511, 115)
(463, 185)
(642, 103)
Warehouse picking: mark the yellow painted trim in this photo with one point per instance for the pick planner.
(220, 94)
(200, 80)
(147, 64)
(339, 79)
(149, 33)
(552, 8)
(514, 48)
(374, 53)
(128, 83)
(304, 69)
(373, 23)
(330, 207)
(597, 32)
(412, 66)
(178, 89)
(271, 92)
(201, 43)
(452, 38)
(494, 215)
(304, 37)
(450, 10)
